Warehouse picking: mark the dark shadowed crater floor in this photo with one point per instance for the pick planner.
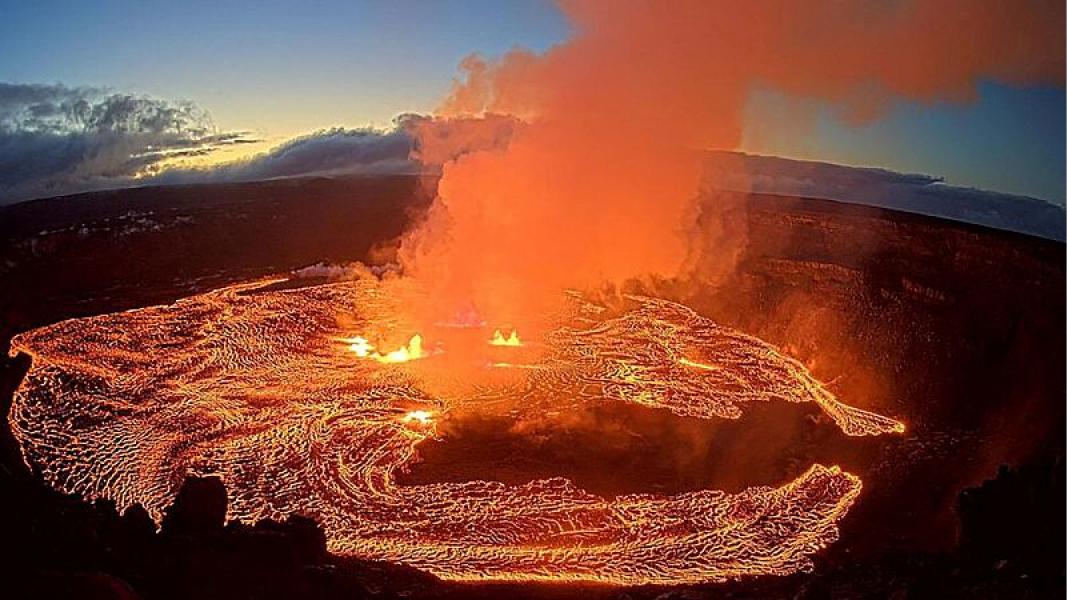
(615, 449)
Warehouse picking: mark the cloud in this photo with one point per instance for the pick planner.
(330, 152)
(57, 140)
(415, 144)
(914, 193)
(439, 140)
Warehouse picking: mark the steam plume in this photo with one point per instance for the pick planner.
(598, 182)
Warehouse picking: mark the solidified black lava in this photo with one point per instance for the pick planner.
(617, 449)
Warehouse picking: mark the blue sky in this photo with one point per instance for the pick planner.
(278, 67)
(1009, 139)
(285, 68)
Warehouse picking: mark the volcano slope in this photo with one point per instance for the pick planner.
(922, 319)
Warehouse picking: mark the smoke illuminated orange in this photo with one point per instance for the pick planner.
(252, 385)
(595, 176)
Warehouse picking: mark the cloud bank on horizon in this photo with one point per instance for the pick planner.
(56, 140)
(907, 192)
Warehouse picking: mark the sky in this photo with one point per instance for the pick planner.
(282, 69)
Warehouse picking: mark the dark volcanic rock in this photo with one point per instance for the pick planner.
(200, 507)
(1015, 519)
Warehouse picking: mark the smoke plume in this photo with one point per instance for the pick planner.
(599, 180)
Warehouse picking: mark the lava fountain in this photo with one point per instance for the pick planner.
(263, 388)
(362, 348)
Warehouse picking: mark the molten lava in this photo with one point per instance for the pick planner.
(358, 345)
(251, 385)
(362, 348)
(420, 417)
(500, 340)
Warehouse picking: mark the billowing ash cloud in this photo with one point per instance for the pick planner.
(56, 139)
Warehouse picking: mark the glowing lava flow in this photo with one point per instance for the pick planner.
(500, 340)
(251, 385)
(422, 417)
(362, 348)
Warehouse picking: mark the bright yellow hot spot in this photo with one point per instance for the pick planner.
(422, 417)
(410, 352)
(500, 340)
(698, 365)
(362, 348)
(507, 365)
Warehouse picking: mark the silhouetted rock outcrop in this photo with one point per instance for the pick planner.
(1016, 520)
(200, 507)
